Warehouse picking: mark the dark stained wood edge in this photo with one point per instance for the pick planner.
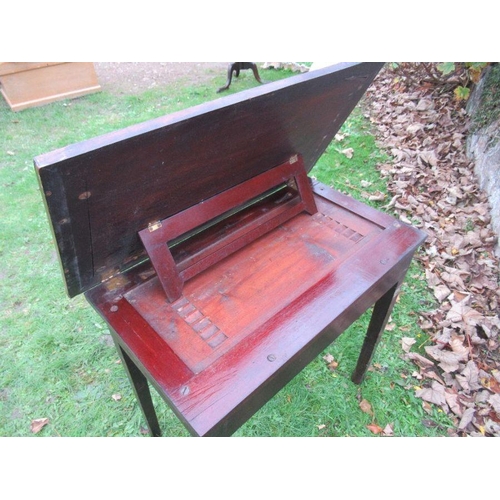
(104, 140)
(367, 212)
(64, 237)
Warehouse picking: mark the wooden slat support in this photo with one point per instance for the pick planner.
(237, 230)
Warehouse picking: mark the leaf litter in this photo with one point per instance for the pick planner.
(432, 185)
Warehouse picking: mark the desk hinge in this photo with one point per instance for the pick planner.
(153, 226)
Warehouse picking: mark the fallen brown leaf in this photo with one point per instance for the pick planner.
(433, 394)
(333, 366)
(492, 384)
(375, 428)
(448, 361)
(469, 377)
(492, 427)
(494, 401)
(427, 407)
(425, 105)
(432, 373)
(466, 419)
(429, 423)
(331, 363)
(377, 196)
(441, 292)
(451, 397)
(328, 358)
(406, 343)
(420, 360)
(366, 407)
(348, 152)
(38, 424)
(388, 430)
(428, 157)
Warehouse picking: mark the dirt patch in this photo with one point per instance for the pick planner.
(136, 77)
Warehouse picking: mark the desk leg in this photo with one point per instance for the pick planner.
(236, 68)
(381, 313)
(142, 392)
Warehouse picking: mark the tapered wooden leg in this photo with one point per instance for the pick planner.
(381, 313)
(232, 67)
(142, 392)
(253, 66)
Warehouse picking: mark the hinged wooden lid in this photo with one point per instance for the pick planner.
(101, 192)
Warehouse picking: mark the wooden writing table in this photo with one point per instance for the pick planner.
(220, 267)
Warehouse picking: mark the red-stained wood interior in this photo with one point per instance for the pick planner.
(246, 325)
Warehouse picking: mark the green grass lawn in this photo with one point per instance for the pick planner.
(56, 356)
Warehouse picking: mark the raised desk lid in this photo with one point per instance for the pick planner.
(101, 192)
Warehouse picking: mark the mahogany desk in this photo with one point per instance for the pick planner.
(220, 267)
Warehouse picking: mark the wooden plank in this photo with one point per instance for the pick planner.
(25, 85)
(8, 68)
(140, 174)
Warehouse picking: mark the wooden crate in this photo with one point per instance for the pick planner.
(28, 84)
